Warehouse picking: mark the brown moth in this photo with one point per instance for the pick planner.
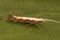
(28, 19)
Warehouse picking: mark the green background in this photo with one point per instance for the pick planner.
(30, 8)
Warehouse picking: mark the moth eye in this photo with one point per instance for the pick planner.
(9, 16)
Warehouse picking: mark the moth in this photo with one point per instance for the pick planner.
(28, 19)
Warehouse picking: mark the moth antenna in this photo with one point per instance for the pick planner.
(51, 20)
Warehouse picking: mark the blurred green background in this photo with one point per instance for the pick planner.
(30, 8)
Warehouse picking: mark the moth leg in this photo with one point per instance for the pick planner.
(39, 27)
